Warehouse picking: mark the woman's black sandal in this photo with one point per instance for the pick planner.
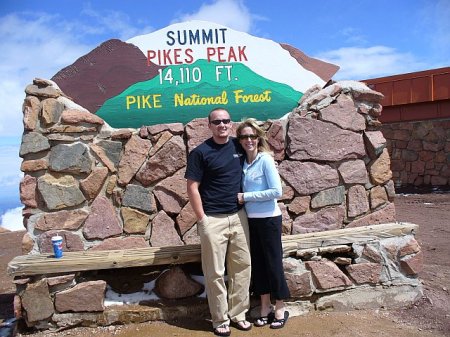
(280, 322)
(264, 320)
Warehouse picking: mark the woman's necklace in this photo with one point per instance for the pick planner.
(251, 158)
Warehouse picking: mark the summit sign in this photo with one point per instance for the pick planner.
(181, 72)
(204, 37)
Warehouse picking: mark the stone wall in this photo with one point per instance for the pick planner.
(420, 152)
(103, 188)
(373, 272)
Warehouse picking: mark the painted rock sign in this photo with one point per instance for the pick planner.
(181, 72)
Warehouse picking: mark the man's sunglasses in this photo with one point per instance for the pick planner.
(218, 121)
(248, 136)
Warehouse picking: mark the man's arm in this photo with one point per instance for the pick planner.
(195, 199)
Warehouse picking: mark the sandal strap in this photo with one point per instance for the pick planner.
(261, 321)
(222, 326)
(278, 323)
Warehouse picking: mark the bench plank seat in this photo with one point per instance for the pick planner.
(40, 264)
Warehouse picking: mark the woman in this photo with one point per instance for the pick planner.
(261, 188)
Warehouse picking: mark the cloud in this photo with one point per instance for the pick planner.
(352, 36)
(114, 23)
(11, 96)
(435, 22)
(10, 177)
(10, 174)
(359, 63)
(230, 13)
(12, 220)
(33, 45)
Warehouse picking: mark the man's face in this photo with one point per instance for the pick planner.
(222, 130)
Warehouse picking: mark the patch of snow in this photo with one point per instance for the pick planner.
(147, 294)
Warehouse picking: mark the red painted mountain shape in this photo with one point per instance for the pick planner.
(104, 73)
(322, 69)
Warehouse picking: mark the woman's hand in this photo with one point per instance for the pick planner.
(240, 197)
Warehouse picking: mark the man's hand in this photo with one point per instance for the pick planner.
(240, 197)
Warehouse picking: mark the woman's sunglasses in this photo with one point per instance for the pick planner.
(248, 136)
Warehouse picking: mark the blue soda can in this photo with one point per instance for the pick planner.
(57, 246)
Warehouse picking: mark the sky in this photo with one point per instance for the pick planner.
(366, 38)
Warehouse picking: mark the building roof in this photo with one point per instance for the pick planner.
(414, 96)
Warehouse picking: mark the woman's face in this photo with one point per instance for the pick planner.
(249, 139)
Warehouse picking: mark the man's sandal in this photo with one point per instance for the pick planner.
(222, 326)
(279, 323)
(241, 325)
(264, 320)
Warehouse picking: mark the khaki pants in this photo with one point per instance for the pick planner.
(225, 239)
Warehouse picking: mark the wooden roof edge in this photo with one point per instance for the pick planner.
(422, 73)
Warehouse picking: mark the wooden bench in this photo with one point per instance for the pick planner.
(41, 264)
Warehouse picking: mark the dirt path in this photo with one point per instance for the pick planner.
(429, 317)
(432, 213)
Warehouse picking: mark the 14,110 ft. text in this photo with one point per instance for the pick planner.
(188, 75)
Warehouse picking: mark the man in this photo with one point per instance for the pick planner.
(213, 174)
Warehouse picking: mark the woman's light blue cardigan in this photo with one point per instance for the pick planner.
(261, 185)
